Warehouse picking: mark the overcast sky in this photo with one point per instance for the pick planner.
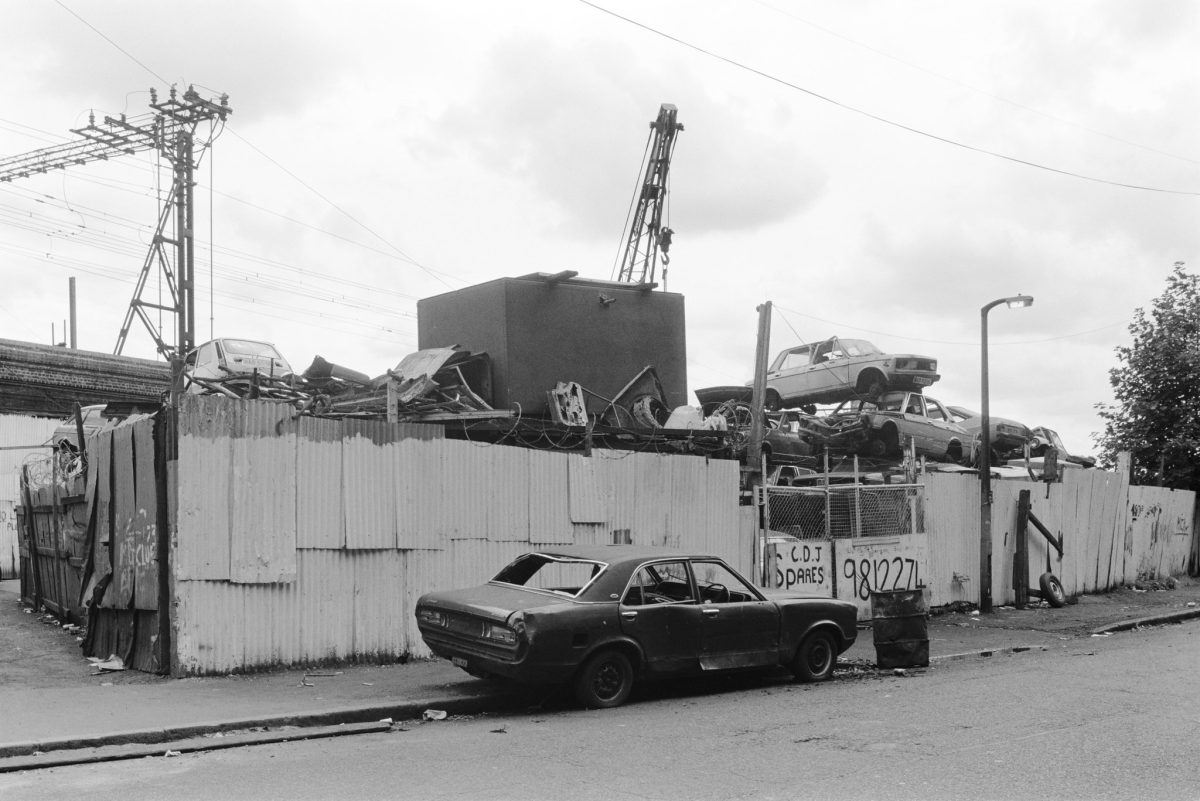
(876, 170)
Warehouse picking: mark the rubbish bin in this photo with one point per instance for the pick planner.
(898, 621)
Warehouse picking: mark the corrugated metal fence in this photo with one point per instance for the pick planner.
(1112, 533)
(300, 540)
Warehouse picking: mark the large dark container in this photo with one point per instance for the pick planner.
(898, 621)
(541, 329)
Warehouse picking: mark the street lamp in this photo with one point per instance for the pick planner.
(985, 457)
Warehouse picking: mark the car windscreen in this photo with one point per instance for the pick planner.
(556, 574)
(857, 347)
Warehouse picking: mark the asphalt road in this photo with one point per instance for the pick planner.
(1106, 718)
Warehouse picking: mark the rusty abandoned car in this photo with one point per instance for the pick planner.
(838, 370)
(603, 617)
(897, 417)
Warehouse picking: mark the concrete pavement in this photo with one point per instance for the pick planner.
(56, 708)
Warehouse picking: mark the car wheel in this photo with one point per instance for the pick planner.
(773, 402)
(871, 385)
(876, 448)
(1052, 590)
(816, 657)
(605, 680)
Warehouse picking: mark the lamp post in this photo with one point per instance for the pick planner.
(985, 456)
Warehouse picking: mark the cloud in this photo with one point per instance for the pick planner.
(572, 123)
(273, 58)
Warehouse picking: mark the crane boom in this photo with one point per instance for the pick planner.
(171, 130)
(647, 237)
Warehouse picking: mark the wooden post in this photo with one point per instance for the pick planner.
(1021, 558)
(759, 392)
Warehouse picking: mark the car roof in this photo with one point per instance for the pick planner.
(622, 561)
(612, 554)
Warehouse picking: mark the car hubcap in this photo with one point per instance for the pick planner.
(818, 658)
(608, 681)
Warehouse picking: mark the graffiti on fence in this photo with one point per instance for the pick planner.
(801, 565)
(877, 564)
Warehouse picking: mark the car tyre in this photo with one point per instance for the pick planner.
(871, 386)
(605, 680)
(816, 657)
(1052, 590)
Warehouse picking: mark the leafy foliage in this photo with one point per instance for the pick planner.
(1156, 414)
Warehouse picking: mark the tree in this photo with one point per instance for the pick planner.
(1156, 416)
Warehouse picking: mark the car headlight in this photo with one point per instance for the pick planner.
(500, 634)
(432, 617)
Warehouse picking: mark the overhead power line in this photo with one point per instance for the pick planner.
(869, 115)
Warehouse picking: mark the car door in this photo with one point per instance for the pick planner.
(942, 426)
(739, 628)
(916, 425)
(790, 375)
(659, 611)
(833, 367)
(207, 363)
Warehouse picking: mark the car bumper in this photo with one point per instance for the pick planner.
(523, 665)
(912, 381)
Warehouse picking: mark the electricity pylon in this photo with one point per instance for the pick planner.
(171, 130)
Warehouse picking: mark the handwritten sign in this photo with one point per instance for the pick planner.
(871, 564)
(800, 565)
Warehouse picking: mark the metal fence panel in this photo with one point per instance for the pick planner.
(587, 496)
(421, 495)
(466, 475)
(369, 484)
(549, 511)
(320, 499)
(509, 492)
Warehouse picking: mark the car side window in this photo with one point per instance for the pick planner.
(915, 405)
(796, 359)
(718, 584)
(206, 355)
(935, 410)
(659, 583)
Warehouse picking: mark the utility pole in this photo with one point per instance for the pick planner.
(758, 393)
(171, 130)
(71, 292)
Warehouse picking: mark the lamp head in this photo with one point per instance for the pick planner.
(1019, 301)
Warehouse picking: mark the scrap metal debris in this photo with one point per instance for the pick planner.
(425, 385)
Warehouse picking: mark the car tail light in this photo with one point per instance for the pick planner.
(432, 617)
(500, 634)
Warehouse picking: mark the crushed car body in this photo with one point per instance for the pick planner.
(1007, 438)
(895, 418)
(603, 617)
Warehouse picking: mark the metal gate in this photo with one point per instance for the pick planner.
(53, 536)
(843, 510)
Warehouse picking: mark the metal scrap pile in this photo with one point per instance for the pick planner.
(425, 385)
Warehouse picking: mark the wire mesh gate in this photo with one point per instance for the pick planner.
(843, 510)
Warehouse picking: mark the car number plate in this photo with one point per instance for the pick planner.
(458, 661)
(922, 381)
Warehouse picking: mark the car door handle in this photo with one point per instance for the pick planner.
(710, 611)
(630, 616)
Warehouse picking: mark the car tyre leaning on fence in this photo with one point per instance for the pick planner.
(1052, 590)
